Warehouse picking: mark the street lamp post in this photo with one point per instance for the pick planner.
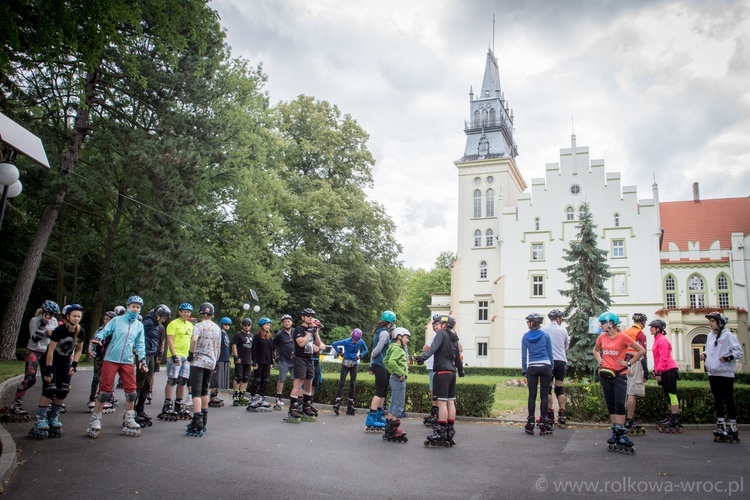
(12, 187)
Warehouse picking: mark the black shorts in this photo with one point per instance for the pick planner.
(381, 380)
(242, 372)
(444, 386)
(558, 371)
(199, 380)
(669, 381)
(303, 368)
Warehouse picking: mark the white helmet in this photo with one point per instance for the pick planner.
(400, 330)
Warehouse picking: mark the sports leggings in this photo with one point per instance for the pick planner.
(535, 374)
(723, 391)
(352, 371)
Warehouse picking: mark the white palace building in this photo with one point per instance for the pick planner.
(672, 260)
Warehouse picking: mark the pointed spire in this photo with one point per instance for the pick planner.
(491, 81)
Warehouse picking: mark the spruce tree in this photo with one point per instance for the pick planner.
(587, 272)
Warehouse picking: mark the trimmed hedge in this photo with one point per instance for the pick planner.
(473, 399)
(586, 403)
(417, 369)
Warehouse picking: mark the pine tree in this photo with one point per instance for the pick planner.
(587, 273)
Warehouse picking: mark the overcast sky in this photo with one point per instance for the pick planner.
(655, 88)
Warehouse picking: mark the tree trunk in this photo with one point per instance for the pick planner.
(17, 304)
(105, 273)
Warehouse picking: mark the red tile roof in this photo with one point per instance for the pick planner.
(705, 221)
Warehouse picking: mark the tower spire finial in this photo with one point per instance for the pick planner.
(493, 34)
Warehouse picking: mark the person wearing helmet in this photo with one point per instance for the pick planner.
(263, 357)
(126, 335)
(609, 351)
(637, 374)
(447, 351)
(96, 352)
(179, 333)
(352, 349)
(41, 326)
(720, 356)
(397, 365)
(58, 365)
(306, 343)
(380, 340)
(665, 373)
(536, 364)
(432, 419)
(558, 334)
(144, 381)
(220, 377)
(242, 351)
(120, 311)
(284, 345)
(205, 346)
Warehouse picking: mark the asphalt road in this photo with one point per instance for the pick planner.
(254, 455)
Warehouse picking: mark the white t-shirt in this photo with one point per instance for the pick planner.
(560, 340)
(428, 362)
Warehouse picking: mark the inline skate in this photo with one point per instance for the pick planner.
(95, 425)
(551, 417)
(393, 432)
(529, 427)
(294, 416)
(279, 404)
(373, 423)
(55, 426)
(438, 438)
(308, 415)
(41, 427)
(183, 413)
(619, 441)
(726, 431)
(242, 400)
(215, 402)
(562, 418)
(129, 426)
(545, 426)
(634, 429)
(336, 406)
(143, 419)
(149, 397)
(670, 425)
(167, 412)
(15, 413)
(432, 419)
(204, 414)
(450, 431)
(91, 404)
(195, 427)
(350, 410)
(109, 406)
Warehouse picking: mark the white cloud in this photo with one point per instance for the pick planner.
(655, 88)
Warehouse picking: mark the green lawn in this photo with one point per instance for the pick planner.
(9, 369)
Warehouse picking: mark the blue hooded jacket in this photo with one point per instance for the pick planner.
(537, 347)
(126, 336)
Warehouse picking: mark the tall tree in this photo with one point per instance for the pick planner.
(587, 274)
(68, 61)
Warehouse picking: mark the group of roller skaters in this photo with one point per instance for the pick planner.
(621, 357)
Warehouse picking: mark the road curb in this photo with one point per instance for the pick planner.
(9, 456)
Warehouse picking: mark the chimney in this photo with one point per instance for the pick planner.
(696, 193)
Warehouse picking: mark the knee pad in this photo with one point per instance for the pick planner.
(131, 396)
(62, 392)
(559, 391)
(238, 379)
(172, 381)
(104, 396)
(48, 392)
(182, 381)
(245, 380)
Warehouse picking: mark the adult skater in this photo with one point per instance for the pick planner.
(284, 345)
(560, 338)
(431, 419)
(637, 373)
(536, 365)
(445, 348)
(242, 350)
(220, 377)
(609, 351)
(665, 373)
(179, 333)
(263, 358)
(380, 340)
(96, 352)
(205, 346)
(352, 348)
(722, 351)
(306, 342)
(144, 381)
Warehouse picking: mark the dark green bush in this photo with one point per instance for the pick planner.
(586, 403)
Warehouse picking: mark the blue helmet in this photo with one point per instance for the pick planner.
(264, 321)
(225, 321)
(134, 299)
(609, 316)
(388, 316)
(186, 306)
(51, 307)
(72, 307)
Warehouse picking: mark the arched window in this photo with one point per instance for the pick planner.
(484, 118)
(483, 270)
(696, 291)
(477, 203)
(490, 203)
(492, 117)
(477, 238)
(489, 238)
(617, 220)
(476, 119)
(536, 224)
(722, 290)
(581, 211)
(484, 146)
(569, 213)
(670, 292)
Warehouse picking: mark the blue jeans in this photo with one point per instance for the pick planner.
(398, 396)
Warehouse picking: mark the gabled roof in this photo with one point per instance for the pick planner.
(705, 221)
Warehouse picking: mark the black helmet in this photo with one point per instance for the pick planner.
(206, 309)
(554, 313)
(163, 311)
(658, 324)
(307, 312)
(535, 318)
(720, 318)
(286, 316)
(640, 318)
(247, 322)
(449, 320)
(436, 318)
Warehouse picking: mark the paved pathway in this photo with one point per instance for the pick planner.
(258, 455)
